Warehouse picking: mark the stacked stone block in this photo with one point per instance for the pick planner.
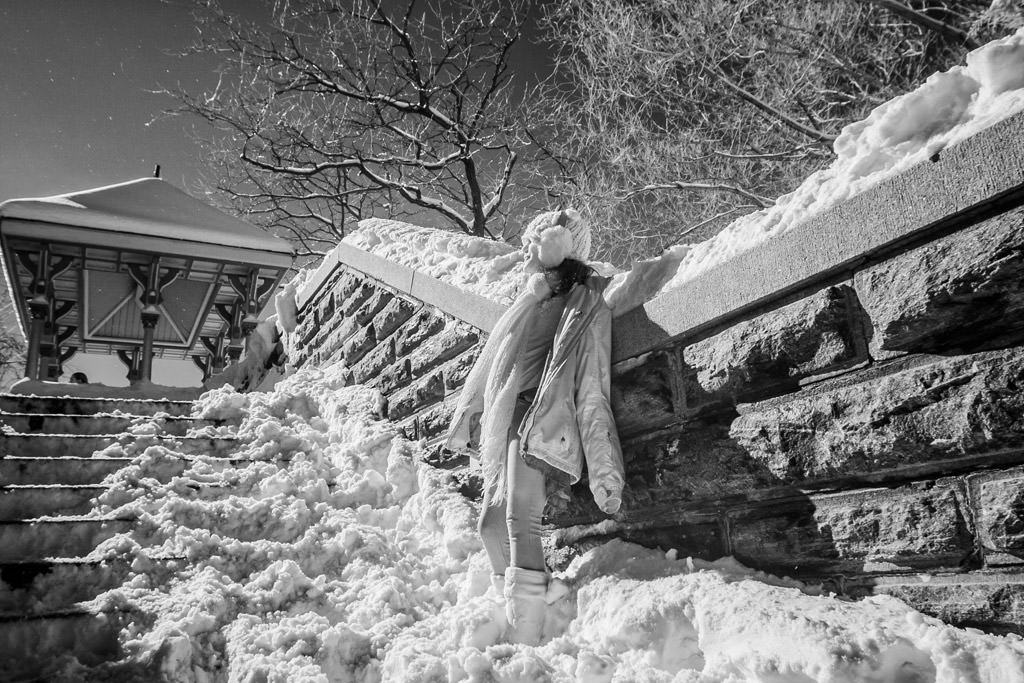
(414, 353)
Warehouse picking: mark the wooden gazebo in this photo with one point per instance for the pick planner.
(140, 269)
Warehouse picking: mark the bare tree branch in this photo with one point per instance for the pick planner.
(925, 21)
(335, 111)
(760, 202)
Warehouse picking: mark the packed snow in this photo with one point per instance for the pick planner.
(328, 551)
(947, 108)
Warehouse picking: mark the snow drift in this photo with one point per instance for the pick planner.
(329, 552)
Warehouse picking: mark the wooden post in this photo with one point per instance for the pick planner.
(149, 321)
(152, 283)
(131, 361)
(39, 307)
(35, 339)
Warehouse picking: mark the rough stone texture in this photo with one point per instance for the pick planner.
(442, 347)
(394, 377)
(417, 330)
(346, 285)
(369, 310)
(357, 299)
(943, 410)
(642, 395)
(906, 527)
(767, 355)
(1001, 519)
(457, 371)
(374, 363)
(694, 465)
(359, 344)
(434, 421)
(416, 397)
(689, 539)
(990, 601)
(391, 317)
(964, 291)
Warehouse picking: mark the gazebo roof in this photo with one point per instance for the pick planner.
(144, 208)
(107, 236)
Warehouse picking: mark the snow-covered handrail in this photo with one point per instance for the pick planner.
(478, 311)
(981, 175)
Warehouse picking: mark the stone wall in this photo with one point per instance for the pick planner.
(856, 420)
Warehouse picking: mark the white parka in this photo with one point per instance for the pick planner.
(570, 418)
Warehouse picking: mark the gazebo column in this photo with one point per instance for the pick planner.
(232, 315)
(41, 302)
(131, 361)
(212, 363)
(50, 357)
(149, 321)
(250, 292)
(35, 338)
(152, 283)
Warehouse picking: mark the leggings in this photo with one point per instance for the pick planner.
(510, 527)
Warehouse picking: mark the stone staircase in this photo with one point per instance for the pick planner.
(48, 483)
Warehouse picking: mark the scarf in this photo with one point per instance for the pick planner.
(491, 389)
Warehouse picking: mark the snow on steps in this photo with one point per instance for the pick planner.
(99, 423)
(26, 501)
(39, 639)
(78, 405)
(25, 470)
(41, 538)
(85, 445)
(48, 484)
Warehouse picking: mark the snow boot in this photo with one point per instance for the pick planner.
(525, 606)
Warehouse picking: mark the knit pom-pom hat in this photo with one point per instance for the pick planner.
(570, 220)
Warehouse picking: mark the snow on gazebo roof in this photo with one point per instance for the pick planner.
(145, 207)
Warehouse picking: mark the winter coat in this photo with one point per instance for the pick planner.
(570, 418)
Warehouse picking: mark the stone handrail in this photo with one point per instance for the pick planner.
(983, 174)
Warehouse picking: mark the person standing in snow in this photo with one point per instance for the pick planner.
(535, 405)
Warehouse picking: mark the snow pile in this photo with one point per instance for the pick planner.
(486, 267)
(948, 108)
(327, 551)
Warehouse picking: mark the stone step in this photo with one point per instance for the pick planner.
(20, 471)
(83, 446)
(45, 586)
(100, 423)
(15, 470)
(34, 587)
(40, 540)
(76, 405)
(41, 641)
(46, 500)
(992, 600)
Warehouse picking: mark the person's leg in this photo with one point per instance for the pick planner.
(493, 530)
(526, 579)
(526, 499)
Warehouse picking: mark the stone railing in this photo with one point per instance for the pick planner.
(842, 403)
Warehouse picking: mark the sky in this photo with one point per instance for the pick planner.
(76, 107)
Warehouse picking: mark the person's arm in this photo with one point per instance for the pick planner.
(643, 281)
(598, 434)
